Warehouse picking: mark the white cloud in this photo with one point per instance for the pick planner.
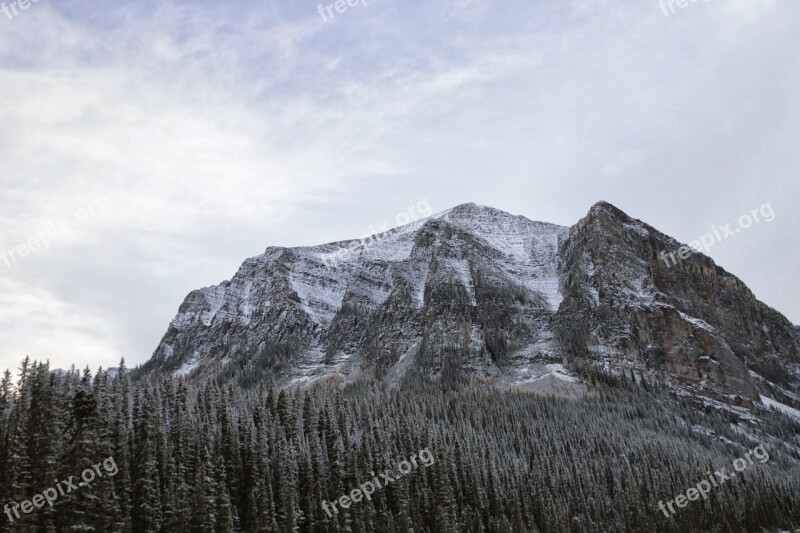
(37, 323)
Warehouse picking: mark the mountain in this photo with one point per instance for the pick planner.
(474, 294)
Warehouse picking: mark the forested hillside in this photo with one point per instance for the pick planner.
(213, 458)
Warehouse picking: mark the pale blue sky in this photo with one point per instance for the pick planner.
(216, 129)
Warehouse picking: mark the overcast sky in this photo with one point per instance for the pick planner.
(162, 143)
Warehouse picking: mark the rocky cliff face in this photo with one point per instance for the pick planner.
(476, 294)
(689, 322)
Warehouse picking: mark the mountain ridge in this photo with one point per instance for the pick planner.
(475, 294)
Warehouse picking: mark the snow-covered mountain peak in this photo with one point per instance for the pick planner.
(480, 293)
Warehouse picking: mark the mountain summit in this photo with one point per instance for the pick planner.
(477, 294)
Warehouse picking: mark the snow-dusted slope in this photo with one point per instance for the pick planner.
(530, 249)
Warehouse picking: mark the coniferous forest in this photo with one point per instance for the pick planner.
(217, 458)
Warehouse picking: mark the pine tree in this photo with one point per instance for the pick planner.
(146, 493)
(224, 514)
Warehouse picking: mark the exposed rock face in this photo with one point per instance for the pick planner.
(476, 293)
(692, 320)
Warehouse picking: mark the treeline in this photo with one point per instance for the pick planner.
(211, 458)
